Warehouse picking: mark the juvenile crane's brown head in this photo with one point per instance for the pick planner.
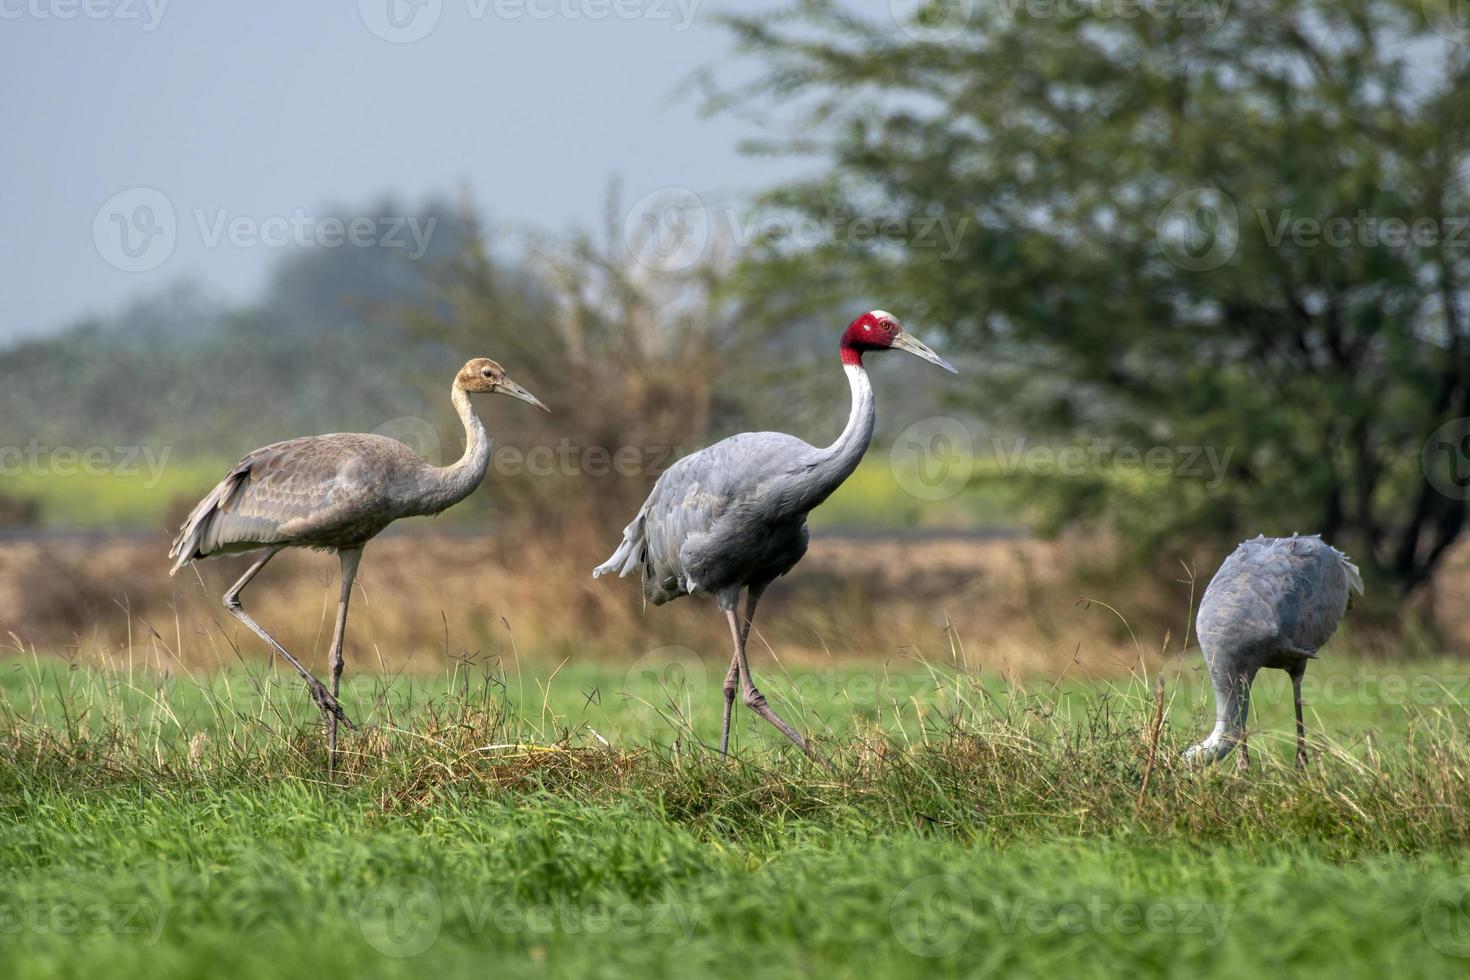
(484, 376)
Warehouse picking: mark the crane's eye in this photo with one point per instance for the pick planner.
(486, 373)
(888, 326)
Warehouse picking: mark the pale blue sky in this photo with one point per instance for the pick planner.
(264, 108)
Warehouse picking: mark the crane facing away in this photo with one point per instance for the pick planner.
(733, 516)
(334, 493)
(1273, 603)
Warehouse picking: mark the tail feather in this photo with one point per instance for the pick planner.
(629, 553)
(193, 538)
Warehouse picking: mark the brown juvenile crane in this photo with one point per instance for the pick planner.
(334, 493)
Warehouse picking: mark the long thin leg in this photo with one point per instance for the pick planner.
(1301, 727)
(324, 700)
(349, 557)
(732, 678)
(756, 701)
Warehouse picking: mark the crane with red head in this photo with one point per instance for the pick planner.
(732, 517)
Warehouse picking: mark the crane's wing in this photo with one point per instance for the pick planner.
(278, 491)
(1278, 593)
(692, 498)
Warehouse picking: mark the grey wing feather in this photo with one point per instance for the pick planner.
(697, 497)
(1277, 595)
(281, 493)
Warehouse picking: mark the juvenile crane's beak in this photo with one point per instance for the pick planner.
(908, 342)
(509, 387)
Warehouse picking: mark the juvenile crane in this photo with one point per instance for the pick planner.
(733, 516)
(1273, 603)
(334, 493)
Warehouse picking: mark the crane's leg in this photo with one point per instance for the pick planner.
(324, 700)
(349, 557)
(1297, 674)
(756, 701)
(732, 679)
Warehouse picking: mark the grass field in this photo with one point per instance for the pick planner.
(519, 820)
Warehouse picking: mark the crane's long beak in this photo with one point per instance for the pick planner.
(908, 342)
(509, 387)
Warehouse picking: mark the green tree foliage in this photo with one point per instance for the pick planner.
(1239, 226)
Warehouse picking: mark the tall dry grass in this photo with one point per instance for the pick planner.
(1024, 607)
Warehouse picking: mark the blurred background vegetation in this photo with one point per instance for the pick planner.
(1123, 271)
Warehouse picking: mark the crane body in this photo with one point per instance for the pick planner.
(1274, 602)
(732, 517)
(334, 493)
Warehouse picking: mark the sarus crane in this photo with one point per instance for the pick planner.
(1273, 603)
(733, 516)
(334, 493)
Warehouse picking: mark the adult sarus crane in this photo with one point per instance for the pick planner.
(334, 493)
(1273, 603)
(733, 516)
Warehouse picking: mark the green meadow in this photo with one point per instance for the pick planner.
(528, 819)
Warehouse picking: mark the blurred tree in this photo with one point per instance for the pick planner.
(626, 354)
(1239, 226)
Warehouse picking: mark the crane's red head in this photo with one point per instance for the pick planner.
(878, 330)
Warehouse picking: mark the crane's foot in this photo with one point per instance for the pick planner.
(756, 701)
(1301, 758)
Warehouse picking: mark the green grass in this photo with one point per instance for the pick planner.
(504, 822)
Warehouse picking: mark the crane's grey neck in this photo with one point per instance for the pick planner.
(451, 484)
(835, 463)
(1232, 705)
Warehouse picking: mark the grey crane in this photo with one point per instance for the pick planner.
(733, 516)
(334, 493)
(1273, 603)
